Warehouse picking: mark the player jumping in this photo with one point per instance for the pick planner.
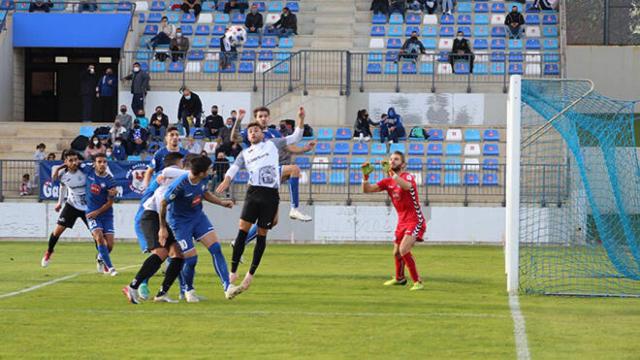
(263, 198)
(402, 189)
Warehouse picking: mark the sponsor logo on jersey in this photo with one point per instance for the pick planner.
(135, 177)
(95, 188)
(196, 201)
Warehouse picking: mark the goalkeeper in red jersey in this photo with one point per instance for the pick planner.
(402, 189)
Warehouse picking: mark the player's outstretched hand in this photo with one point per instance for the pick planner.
(224, 185)
(163, 235)
(227, 203)
(367, 169)
(92, 215)
(301, 113)
(386, 167)
(241, 113)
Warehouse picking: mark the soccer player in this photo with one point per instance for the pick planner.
(402, 189)
(150, 225)
(73, 184)
(189, 222)
(262, 199)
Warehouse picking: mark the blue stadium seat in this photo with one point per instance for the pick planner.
(533, 44)
(154, 18)
(481, 31)
(158, 67)
(344, 134)
(394, 43)
(451, 178)
(359, 148)
(374, 68)
(497, 7)
(200, 42)
(410, 29)
(377, 30)
(397, 147)
(251, 43)
(248, 55)
(375, 56)
(339, 162)
(414, 164)
(124, 6)
(229, 69)
(464, 7)
(550, 44)
(221, 18)
(471, 135)
(471, 179)
(303, 162)
(282, 68)
(378, 19)
(144, 66)
(480, 44)
(391, 55)
(466, 30)
(318, 178)
(87, 131)
(551, 69)
(355, 178)
(489, 179)
(550, 31)
(454, 149)
(157, 6)
(436, 135)
(409, 68)
(434, 164)
(103, 7)
(490, 164)
(464, 19)
(429, 44)
(516, 69)
(246, 67)
(413, 19)
(447, 31)
(285, 43)
(390, 68)
(202, 29)
(269, 42)
(550, 19)
(481, 7)
(515, 44)
(210, 67)
(325, 134)
(274, 7)
(490, 150)
(323, 148)
(498, 31)
(237, 18)
(532, 19)
(187, 30)
(434, 179)
(176, 67)
(497, 68)
(481, 19)
(426, 68)
(491, 135)
(142, 55)
(396, 19)
(461, 67)
(208, 7)
(498, 44)
(188, 18)
(434, 149)
(151, 29)
(337, 178)
(531, 8)
(173, 18)
(282, 55)
(356, 162)
(242, 177)
(293, 6)
(219, 30)
(480, 69)
(265, 55)
(497, 56)
(446, 19)
(378, 149)
(341, 148)
(416, 149)
(429, 31)
(195, 55)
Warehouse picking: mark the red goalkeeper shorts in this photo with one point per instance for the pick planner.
(415, 229)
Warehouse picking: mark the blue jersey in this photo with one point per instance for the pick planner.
(158, 158)
(185, 198)
(98, 191)
(269, 133)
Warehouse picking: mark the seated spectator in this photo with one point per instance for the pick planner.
(213, 123)
(414, 5)
(234, 116)
(254, 22)
(26, 188)
(391, 128)
(166, 32)
(191, 6)
(109, 153)
(238, 5)
(430, 6)
(232, 148)
(220, 166)
(40, 5)
(125, 119)
(189, 110)
(461, 51)
(411, 48)
(142, 119)
(117, 131)
(94, 148)
(88, 5)
(398, 6)
(137, 138)
(194, 146)
(514, 22)
(160, 116)
(287, 25)
(447, 7)
(380, 7)
(119, 149)
(159, 125)
(51, 157)
(179, 46)
(362, 128)
(225, 132)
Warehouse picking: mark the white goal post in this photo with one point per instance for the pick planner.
(512, 227)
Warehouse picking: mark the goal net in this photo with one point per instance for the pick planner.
(573, 191)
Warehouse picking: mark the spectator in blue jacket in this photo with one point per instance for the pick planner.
(119, 151)
(107, 93)
(391, 127)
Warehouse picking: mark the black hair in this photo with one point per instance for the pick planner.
(172, 128)
(187, 160)
(200, 164)
(172, 158)
(100, 155)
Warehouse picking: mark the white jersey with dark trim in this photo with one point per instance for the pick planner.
(75, 184)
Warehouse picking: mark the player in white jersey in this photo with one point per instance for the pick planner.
(72, 201)
(261, 160)
(150, 225)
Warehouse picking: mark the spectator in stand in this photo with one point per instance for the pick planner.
(189, 110)
(414, 5)
(94, 148)
(213, 123)
(225, 132)
(380, 7)
(232, 149)
(191, 6)
(119, 149)
(220, 166)
(139, 87)
(109, 153)
(107, 92)
(40, 5)
(398, 6)
(391, 127)
(51, 157)
(430, 6)
(159, 124)
(447, 7)
(137, 138)
(40, 154)
(411, 48)
(461, 50)
(166, 32)
(236, 5)
(287, 25)
(88, 91)
(141, 119)
(88, 5)
(234, 116)
(362, 128)
(514, 22)
(194, 146)
(26, 188)
(254, 22)
(117, 131)
(125, 119)
(179, 46)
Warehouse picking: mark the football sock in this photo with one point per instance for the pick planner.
(238, 249)
(53, 240)
(189, 272)
(219, 264)
(411, 264)
(104, 255)
(399, 267)
(251, 235)
(293, 190)
(148, 268)
(261, 245)
(173, 270)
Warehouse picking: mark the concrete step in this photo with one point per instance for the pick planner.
(338, 19)
(333, 44)
(331, 31)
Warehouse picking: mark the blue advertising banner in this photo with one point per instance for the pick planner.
(129, 176)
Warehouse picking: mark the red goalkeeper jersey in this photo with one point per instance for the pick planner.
(406, 202)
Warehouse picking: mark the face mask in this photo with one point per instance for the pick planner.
(179, 34)
(188, 97)
(254, 11)
(109, 154)
(459, 37)
(96, 142)
(215, 112)
(117, 143)
(124, 111)
(91, 71)
(229, 126)
(136, 69)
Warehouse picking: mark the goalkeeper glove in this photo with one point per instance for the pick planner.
(367, 169)
(385, 166)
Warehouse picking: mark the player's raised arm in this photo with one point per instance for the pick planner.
(147, 177)
(294, 149)
(367, 169)
(231, 173)
(210, 197)
(296, 137)
(56, 172)
(235, 129)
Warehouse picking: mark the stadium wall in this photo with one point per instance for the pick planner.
(359, 223)
(6, 76)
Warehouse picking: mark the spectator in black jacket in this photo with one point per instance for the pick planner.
(253, 22)
(190, 107)
(158, 123)
(380, 7)
(430, 6)
(411, 48)
(287, 25)
(514, 22)
(139, 87)
(40, 5)
(362, 128)
(137, 138)
(235, 5)
(88, 91)
(461, 51)
(213, 123)
(398, 6)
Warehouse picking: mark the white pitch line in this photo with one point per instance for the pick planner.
(51, 282)
(519, 330)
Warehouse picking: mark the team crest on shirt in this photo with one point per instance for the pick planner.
(135, 177)
(96, 188)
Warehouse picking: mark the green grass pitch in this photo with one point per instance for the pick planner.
(307, 301)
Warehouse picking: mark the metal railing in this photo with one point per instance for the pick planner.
(11, 172)
(3, 21)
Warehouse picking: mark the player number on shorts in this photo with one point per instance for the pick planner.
(183, 244)
(92, 223)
